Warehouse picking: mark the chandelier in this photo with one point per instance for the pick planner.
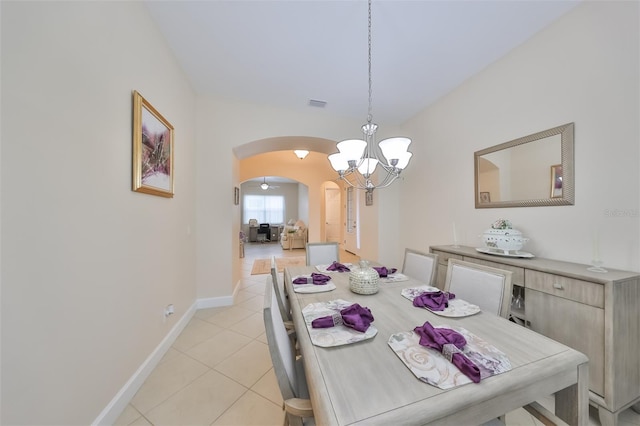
(360, 158)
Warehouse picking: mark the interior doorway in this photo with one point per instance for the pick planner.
(332, 213)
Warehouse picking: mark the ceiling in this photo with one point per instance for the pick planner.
(285, 53)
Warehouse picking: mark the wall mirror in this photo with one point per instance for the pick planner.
(535, 170)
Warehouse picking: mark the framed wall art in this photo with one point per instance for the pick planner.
(236, 195)
(152, 150)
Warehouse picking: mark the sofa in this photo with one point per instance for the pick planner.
(294, 236)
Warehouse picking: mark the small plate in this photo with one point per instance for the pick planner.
(333, 336)
(457, 307)
(510, 253)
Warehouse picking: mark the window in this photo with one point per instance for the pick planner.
(264, 208)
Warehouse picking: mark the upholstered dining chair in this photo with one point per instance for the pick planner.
(489, 288)
(322, 253)
(286, 366)
(420, 266)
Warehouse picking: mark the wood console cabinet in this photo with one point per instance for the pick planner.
(595, 313)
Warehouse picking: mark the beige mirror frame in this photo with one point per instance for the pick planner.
(565, 132)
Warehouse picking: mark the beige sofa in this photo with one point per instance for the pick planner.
(293, 240)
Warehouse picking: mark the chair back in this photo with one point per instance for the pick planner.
(278, 288)
(420, 266)
(489, 288)
(322, 253)
(281, 348)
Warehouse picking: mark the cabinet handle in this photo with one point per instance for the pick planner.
(558, 286)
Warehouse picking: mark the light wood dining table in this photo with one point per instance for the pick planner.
(366, 383)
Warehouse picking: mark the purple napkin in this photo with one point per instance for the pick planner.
(315, 278)
(449, 343)
(336, 266)
(383, 271)
(355, 316)
(433, 300)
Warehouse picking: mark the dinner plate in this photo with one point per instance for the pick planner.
(333, 336)
(313, 288)
(431, 367)
(509, 253)
(457, 307)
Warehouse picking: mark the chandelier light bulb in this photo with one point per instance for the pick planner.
(301, 153)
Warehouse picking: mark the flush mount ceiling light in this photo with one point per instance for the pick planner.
(301, 153)
(359, 158)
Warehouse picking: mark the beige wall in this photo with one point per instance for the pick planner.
(88, 266)
(582, 69)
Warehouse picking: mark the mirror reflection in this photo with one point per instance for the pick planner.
(536, 170)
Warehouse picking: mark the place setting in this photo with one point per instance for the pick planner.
(312, 283)
(439, 302)
(446, 356)
(338, 322)
(335, 267)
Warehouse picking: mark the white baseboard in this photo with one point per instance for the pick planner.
(112, 411)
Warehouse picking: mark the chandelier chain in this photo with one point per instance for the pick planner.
(370, 113)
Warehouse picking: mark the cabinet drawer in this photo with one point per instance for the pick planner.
(443, 257)
(580, 291)
(517, 277)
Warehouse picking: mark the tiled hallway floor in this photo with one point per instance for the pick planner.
(219, 372)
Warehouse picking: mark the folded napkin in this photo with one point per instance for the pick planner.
(355, 316)
(336, 266)
(383, 271)
(434, 300)
(449, 343)
(315, 278)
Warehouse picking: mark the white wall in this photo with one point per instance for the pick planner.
(87, 265)
(582, 69)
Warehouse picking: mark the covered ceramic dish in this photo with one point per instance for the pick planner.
(502, 236)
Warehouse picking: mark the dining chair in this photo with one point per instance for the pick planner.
(281, 294)
(286, 366)
(420, 266)
(322, 253)
(489, 288)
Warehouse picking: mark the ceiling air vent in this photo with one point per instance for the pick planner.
(316, 103)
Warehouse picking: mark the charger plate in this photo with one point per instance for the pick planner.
(431, 367)
(333, 336)
(457, 307)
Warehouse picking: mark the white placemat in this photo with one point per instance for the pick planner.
(457, 307)
(312, 288)
(333, 336)
(431, 367)
(394, 278)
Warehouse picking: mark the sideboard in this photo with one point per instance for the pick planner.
(595, 313)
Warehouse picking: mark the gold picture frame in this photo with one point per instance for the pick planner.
(152, 150)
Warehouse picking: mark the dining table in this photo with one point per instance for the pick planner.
(367, 383)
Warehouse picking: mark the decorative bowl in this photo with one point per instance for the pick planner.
(504, 239)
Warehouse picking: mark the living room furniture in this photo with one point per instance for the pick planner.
(264, 232)
(294, 236)
(595, 313)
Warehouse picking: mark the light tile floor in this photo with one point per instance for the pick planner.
(202, 381)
